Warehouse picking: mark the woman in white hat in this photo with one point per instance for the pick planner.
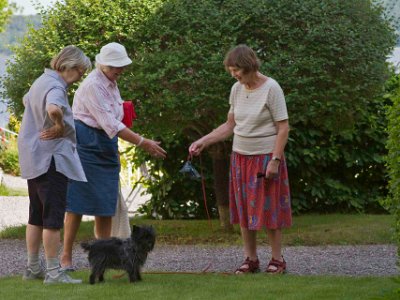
(98, 112)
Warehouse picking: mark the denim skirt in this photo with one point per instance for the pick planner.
(99, 157)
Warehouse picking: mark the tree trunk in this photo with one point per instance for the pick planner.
(220, 160)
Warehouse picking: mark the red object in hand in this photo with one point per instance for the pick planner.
(129, 113)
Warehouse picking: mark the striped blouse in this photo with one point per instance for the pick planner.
(98, 103)
(256, 113)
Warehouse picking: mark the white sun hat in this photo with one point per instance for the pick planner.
(113, 55)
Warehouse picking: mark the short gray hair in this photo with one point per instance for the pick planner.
(70, 57)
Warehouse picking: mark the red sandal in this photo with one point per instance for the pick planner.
(249, 266)
(276, 266)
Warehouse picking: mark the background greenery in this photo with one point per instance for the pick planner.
(308, 230)
(329, 57)
(331, 67)
(393, 145)
(5, 12)
(9, 154)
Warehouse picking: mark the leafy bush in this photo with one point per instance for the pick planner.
(5, 13)
(329, 62)
(173, 195)
(328, 55)
(393, 158)
(9, 157)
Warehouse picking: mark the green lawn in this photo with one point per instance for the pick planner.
(210, 286)
(308, 230)
(333, 229)
(6, 191)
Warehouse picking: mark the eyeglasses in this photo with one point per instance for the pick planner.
(80, 71)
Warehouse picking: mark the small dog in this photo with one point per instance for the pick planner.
(115, 253)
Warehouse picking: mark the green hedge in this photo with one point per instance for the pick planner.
(328, 55)
(9, 157)
(393, 145)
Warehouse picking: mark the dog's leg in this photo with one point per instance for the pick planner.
(139, 277)
(100, 273)
(132, 274)
(97, 272)
(101, 277)
(135, 273)
(132, 278)
(92, 278)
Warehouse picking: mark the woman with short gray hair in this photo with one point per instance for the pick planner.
(47, 157)
(69, 58)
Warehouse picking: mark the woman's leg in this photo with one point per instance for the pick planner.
(33, 242)
(249, 243)
(251, 264)
(275, 239)
(102, 227)
(71, 226)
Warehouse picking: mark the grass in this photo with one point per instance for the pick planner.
(5, 191)
(333, 229)
(308, 230)
(209, 286)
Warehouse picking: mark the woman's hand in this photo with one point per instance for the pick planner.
(272, 169)
(153, 148)
(57, 130)
(54, 132)
(222, 132)
(196, 147)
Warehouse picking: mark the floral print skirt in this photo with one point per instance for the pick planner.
(257, 203)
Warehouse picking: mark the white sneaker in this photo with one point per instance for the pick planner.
(30, 275)
(61, 277)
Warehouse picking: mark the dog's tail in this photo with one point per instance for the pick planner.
(86, 246)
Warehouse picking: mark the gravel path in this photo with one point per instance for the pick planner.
(368, 260)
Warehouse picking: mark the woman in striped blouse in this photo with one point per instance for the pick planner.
(98, 112)
(259, 187)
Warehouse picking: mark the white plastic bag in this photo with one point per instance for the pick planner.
(120, 226)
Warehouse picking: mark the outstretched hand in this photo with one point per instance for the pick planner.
(196, 148)
(153, 148)
(54, 132)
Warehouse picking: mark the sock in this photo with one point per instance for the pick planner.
(53, 266)
(34, 262)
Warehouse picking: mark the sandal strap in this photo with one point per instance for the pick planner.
(279, 265)
(252, 266)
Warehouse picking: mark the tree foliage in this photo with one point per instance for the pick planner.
(393, 158)
(328, 56)
(5, 13)
(86, 24)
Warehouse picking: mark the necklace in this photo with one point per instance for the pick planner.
(258, 83)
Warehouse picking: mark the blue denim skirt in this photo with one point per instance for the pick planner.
(99, 157)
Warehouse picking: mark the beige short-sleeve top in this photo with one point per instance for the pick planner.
(255, 113)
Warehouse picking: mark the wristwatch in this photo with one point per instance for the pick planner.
(276, 158)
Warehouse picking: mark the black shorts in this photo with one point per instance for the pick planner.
(47, 199)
